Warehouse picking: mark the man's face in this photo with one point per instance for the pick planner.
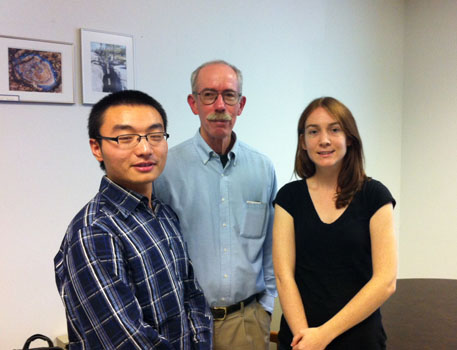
(219, 77)
(137, 167)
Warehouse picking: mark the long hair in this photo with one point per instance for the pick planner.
(352, 174)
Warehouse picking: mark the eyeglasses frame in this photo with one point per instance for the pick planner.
(219, 93)
(145, 136)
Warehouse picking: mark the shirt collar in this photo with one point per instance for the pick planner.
(205, 152)
(126, 201)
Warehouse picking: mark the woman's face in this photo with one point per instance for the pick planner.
(324, 140)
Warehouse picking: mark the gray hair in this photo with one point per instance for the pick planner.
(194, 76)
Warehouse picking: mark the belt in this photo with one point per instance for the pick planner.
(221, 312)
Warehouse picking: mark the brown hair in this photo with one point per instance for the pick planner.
(352, 174)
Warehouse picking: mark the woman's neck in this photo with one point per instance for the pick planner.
(325, 179)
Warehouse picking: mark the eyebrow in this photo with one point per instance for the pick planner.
(316, 125)
(121, 127)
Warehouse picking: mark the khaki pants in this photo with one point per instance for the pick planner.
(246, 329)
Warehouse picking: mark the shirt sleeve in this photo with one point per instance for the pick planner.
(199, 314)
(106, 308)
(197, 309)
(267, 299)
(376, 196)
(285, 199)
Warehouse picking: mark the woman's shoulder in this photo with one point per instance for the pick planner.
(375, 194)
(292, 190)
(293, 186)
(372, 186)
(291, 195)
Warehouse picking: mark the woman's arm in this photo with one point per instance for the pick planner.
(284, 267)
(378, 289)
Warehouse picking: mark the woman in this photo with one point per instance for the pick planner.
(334, 249)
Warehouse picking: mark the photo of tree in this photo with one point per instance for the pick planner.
(108, 67)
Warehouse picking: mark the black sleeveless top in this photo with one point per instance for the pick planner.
(333, 261)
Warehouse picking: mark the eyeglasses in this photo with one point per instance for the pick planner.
(209, 96)
(128, 141)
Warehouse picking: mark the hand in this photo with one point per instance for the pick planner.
(309, 339)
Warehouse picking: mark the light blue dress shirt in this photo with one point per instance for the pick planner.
(226, 217)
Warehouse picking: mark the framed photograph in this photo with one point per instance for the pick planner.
(36, 70)
(106, 64)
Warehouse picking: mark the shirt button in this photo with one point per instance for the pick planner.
(225, 249)
(223, 199)
(225, 276)
(223, 299)
(224, 224)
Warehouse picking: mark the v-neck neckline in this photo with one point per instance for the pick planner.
(339, 218)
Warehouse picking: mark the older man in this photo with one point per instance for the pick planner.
(123, 271)
(222, 191)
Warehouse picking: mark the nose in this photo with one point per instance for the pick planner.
(324, 138)
(144, 147)
(219, 104)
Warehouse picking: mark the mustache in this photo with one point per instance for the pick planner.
(219, 116)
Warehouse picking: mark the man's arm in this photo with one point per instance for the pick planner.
(198, 312)
(106, 307)
(267, 299)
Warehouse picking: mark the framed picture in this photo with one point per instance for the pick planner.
(106, 64)
(36, 70)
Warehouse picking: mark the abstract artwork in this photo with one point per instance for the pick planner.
(106, 64)
(31, 70)
(36, 71)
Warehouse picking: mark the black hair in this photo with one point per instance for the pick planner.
(120, 98)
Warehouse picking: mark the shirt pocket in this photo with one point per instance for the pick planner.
(253, 223)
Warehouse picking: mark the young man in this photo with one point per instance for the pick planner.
(122, 270)
(222, 191)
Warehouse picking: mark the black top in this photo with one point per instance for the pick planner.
(333, 261)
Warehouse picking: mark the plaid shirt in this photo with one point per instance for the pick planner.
(125, 278)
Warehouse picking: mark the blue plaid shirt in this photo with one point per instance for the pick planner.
(125, 278)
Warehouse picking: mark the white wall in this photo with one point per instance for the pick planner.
(428, 240)
(290, 52)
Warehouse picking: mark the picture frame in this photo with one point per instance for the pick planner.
(34, 70)
(106, 64)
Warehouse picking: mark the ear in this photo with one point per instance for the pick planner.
(96, 149)
(192, 103)
(348, 142)
(242, 103)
